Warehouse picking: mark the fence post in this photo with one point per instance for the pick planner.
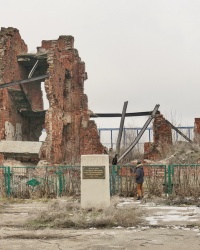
(60, 182)
(118, 177)
(9, 188)
(7, 180)
(112, 180)
(165, 180)
(169, 190)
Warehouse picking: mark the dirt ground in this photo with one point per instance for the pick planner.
(164, 228)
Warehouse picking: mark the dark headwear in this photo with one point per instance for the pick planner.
(138, 162)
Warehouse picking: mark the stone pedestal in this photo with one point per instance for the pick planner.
(95, 184)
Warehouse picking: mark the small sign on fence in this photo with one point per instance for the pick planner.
(33, 182)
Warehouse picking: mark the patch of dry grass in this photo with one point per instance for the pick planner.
(68, 214)
(11, 200)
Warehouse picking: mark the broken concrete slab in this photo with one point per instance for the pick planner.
(20, 147)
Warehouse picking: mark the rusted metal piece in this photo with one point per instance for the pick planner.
(153, 113)
(121, 128)
(29, 80)
(33, 69)
(96, 115)
(180, 133)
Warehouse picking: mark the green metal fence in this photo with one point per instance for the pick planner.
(122, 180)
(4, 181)
(69, 180)
(185, 180)
(51, 181)
(178, 179)
(156, 179)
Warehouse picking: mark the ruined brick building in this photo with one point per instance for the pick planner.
(162, 139)
(70, 132)
(197, 130)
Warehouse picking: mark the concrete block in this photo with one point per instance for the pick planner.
(95, 183)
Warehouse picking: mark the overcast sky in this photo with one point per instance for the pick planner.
(146, 52)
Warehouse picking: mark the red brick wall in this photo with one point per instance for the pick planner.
(12, 45)
(197, 130)
(162, 139)
(162, 131)
(150, 151)
(70, 133)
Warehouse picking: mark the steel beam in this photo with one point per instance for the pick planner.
(153, 113)
(33, 69)
(121, 128)
(33, 79)
(178, 131)
(97, 115)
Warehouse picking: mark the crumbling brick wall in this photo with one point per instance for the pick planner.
(162, 131)
(17, 127)
(70, 133)
(150, 151)
(162, 139)
(11, 45)
(197, 130)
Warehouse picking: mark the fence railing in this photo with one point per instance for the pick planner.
(122, 180)
(28, 182)
(181, 180)
(108, 136)
(185, 180)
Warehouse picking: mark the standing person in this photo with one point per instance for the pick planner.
(139, 176)
(114, 161)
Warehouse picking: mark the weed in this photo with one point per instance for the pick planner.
(70, 215)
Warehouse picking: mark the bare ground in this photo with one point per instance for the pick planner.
(157, 233)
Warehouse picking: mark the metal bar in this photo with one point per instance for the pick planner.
(117, 129)
(140, 133)
(33, 69)
(136, 128)
(178, 131)
(9, 188)
(5, 180)
(124, 137)
(169, 190)
(165, 179)
(111, 137)
(96, 115)
(149, 135)
(119, 138)
(60, 183)
(5, 85)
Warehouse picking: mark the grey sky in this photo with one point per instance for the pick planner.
(146, 52)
